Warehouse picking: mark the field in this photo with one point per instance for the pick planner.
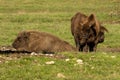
(53, 16)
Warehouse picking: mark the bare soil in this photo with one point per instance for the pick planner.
(8, 53)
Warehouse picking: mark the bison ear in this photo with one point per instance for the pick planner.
(91, 20)
(93, 23)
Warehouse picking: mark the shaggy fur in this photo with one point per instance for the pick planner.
(87, 31)
(34, 41)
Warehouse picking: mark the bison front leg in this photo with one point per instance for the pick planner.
(81, 48)
(92, 47)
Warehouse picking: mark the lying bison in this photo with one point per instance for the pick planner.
(34, 41)
(87, 31)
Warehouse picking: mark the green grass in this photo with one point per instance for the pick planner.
(95, 67)
(53, 16)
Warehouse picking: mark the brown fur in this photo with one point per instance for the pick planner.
(94, 40)
(86, 31)
(34, 41)
(76, 29)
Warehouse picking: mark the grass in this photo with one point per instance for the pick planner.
(53, 16)
(95, 67)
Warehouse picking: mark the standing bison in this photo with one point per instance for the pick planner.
(34, 41)
(87, 31)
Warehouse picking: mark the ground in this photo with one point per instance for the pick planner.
(49, 16)
(11, 53)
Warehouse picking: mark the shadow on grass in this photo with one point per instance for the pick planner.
(11, 52)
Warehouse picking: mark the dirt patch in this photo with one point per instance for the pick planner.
(9, 50)
(109, 49)
(8, 53)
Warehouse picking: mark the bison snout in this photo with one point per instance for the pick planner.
(15, 45)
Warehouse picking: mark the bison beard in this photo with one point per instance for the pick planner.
(34, 41)
(87, 32)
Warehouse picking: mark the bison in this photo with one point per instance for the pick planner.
(93, 40)
(87, 31)
(35, 41)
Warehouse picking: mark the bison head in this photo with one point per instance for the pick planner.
(21, 41)
(89, 27)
